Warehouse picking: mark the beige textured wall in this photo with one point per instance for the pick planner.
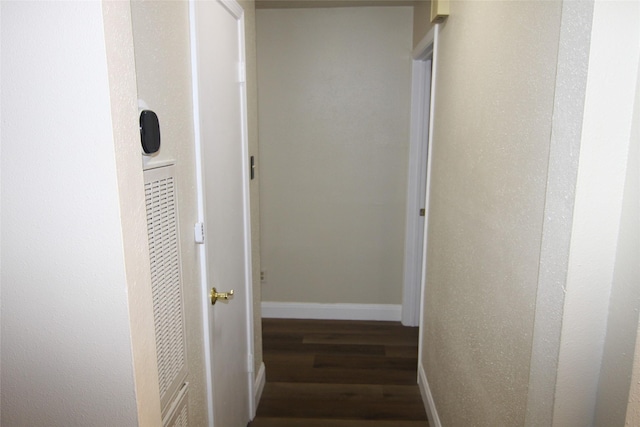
(493, 109)
(421, 20)
(334, 97)
(566, 132)
(124, 111)
(163, 69)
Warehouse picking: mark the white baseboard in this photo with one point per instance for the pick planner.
(258, 387)
(427, 398)
(297, 310)
(259, 383)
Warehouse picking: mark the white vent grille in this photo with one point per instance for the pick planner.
(162, 228)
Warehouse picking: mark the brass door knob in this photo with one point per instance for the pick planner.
(215, 295)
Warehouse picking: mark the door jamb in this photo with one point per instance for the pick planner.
(428, 47)
(419, 172)
(201, 204)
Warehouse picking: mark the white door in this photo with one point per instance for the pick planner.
(219, 100)
(417, 191)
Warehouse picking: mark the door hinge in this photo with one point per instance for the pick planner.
(422, 212)
(198, 231)
(252, 167)
(242, 72)
(249, 362)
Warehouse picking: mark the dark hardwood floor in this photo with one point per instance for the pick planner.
(332, 373)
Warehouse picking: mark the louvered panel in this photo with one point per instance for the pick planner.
(178, 416)
(181, 421)
(164, 251)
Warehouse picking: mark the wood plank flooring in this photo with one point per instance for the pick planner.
(333, 373)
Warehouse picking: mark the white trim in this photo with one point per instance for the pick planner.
(258, 387)
(427, 398)
(202, 250)
(234, 8)
(430, 49)
(301, 310)
(238, 12)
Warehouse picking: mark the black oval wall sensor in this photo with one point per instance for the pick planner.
(149, 131)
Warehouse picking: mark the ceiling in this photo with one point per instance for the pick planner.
(297, 4)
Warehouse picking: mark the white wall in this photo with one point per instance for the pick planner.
(632, 211)
(622, 325)
(68, 273)
(334, 98)
(604, 150)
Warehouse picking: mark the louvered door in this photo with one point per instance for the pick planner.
(166, 281)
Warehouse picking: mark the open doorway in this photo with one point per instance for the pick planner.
(329, 172)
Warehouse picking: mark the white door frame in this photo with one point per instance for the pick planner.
(427, 48)
(419, 172)
(238, 12)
